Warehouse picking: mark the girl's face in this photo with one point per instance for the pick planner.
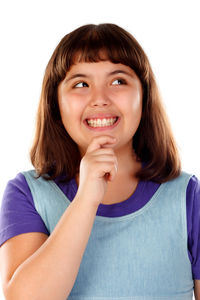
(97, 91)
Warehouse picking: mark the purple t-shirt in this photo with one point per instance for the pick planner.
(18, 214)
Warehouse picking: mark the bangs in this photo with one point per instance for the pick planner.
(99, 45)
(94, 43)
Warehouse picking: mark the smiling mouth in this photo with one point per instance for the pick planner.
(98, 123)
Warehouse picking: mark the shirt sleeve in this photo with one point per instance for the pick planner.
(193, 224)
(18, 214)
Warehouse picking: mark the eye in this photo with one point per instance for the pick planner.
(120, 81)
(80, 84)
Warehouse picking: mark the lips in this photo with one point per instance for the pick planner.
(100, 122)
(104, 128)
(101, 116)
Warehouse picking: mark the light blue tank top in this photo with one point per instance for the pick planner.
(139, 256)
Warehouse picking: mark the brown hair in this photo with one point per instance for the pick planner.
(55, 153)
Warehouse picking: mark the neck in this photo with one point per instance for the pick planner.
(128, 165)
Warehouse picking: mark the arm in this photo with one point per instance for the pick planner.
(197, 289)
(39, 268)
(193, 227)
(29, 261)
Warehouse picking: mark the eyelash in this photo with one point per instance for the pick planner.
(123, 81)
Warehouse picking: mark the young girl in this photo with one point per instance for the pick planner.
(107, 212)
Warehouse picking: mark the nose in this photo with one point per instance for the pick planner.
(99, 97)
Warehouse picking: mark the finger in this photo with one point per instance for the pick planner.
(104, 151)
(99, 142)
(104, 167)
(110, 176)
(105, 158)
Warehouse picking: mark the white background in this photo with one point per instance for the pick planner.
(168, 31)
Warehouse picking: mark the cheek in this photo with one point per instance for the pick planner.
(134, 103)
(137, 96)
(65, 106)
(138, 112)
(71, 109)
(137, 108)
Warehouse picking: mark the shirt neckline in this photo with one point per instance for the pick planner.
(103, 218)
(134, 196)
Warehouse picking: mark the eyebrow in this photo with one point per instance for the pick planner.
(73, 76)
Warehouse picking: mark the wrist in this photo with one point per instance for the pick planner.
(86, 202)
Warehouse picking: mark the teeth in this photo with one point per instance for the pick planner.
(101, 123)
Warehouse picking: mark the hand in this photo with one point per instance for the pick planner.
(97, 167)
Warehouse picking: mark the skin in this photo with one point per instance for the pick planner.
(197, 289)
(97, 91)
(28, 258)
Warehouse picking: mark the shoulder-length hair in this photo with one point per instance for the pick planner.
(55, 153)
